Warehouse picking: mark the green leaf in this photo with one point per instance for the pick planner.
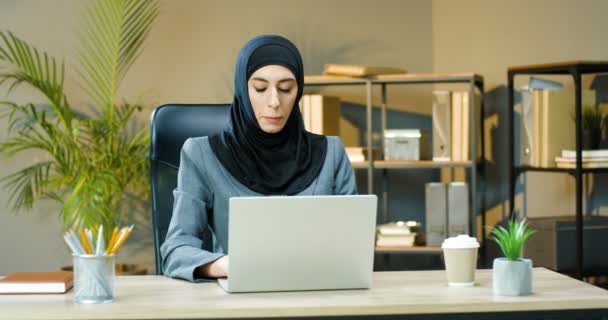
(512, 239)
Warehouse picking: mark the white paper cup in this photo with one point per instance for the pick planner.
(460, 256)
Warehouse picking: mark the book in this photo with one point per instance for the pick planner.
(465, 125)
(37, 282)
(355, 154)
(585, 160)
(394, 228)
(321, 114)
(305, 111)
(586, 165)
(406, 240)
(587, 154)
(359, 70)
(456, 135)
(441, 125)
(465, 115)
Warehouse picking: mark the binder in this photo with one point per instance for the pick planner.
(436, 213)
(458, 209)
(441, 126)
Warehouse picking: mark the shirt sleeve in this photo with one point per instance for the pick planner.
(344, 176)
(182, 250)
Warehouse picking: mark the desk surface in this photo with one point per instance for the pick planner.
(409, 292)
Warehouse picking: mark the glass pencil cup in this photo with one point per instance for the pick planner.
(94, 277)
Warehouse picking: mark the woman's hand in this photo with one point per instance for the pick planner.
(215, 269)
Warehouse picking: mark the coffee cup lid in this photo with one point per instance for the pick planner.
(462, 241)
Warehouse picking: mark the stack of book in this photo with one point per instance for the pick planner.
(451, 125)
(397, 234)
(358, 154)
(591, 159)
(359, 70)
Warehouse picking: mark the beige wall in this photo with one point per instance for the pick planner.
(191, 53)
(190, 58)
(489, 36)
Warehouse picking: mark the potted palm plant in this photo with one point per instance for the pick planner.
(94, 164)
(511, 274)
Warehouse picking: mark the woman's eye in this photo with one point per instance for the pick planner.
(260, 90)
(285, 90)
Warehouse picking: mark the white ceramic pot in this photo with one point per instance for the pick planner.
(512, 278)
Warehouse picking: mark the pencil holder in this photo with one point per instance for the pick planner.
(94, 278)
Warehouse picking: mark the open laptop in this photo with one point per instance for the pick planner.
(288, 243)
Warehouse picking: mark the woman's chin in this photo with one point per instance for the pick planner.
(272, 128)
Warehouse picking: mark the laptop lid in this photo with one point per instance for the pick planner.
(284, 243)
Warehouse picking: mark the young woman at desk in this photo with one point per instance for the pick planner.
(264, 150)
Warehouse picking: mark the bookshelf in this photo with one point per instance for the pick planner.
(407, 164)
(475, 167)
(575, 69)
(409, 250)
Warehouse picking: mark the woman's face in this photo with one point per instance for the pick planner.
(272, 92)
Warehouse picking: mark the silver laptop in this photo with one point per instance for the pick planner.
(288, 243)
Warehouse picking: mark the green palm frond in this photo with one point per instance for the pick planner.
(91, 200)
(27, 185)
(112, 39)
(37, 69)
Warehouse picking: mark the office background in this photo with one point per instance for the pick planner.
(190, 55)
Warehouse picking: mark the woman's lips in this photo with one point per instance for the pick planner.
(273, 120)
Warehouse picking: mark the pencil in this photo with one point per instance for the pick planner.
(85, 242)
(112, 240)
(123, 237)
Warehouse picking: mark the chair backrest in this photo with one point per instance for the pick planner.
(170, 126)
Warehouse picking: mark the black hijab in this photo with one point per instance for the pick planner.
(285, 162)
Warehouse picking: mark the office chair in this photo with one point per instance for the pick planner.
(170, 126)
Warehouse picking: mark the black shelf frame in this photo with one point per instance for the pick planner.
(576, 69)
(475, 169)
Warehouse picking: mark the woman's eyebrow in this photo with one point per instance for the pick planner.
(282, 80)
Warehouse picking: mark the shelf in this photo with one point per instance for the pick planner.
(564, 67)
(321, 80)
(412, 164)
(575, 69)
(427, 78)
(406, 250)
(556, 169)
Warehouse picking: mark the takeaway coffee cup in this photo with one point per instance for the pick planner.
(460, 256)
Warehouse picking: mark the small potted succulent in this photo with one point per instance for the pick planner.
(592, 127)
(511, 274)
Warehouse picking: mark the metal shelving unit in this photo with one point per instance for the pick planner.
(475, 166)
(575, 69)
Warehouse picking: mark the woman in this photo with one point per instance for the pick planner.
(264, 150)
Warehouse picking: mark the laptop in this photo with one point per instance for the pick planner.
(292, 243)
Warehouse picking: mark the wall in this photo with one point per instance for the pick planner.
(189, 58)
(489, 36)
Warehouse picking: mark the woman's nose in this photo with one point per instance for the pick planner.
(274, 99)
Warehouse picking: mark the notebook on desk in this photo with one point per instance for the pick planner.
(289, 243)
(36, 282)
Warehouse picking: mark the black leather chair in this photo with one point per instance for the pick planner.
(170, 126)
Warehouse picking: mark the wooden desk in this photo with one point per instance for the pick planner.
(394, 295)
